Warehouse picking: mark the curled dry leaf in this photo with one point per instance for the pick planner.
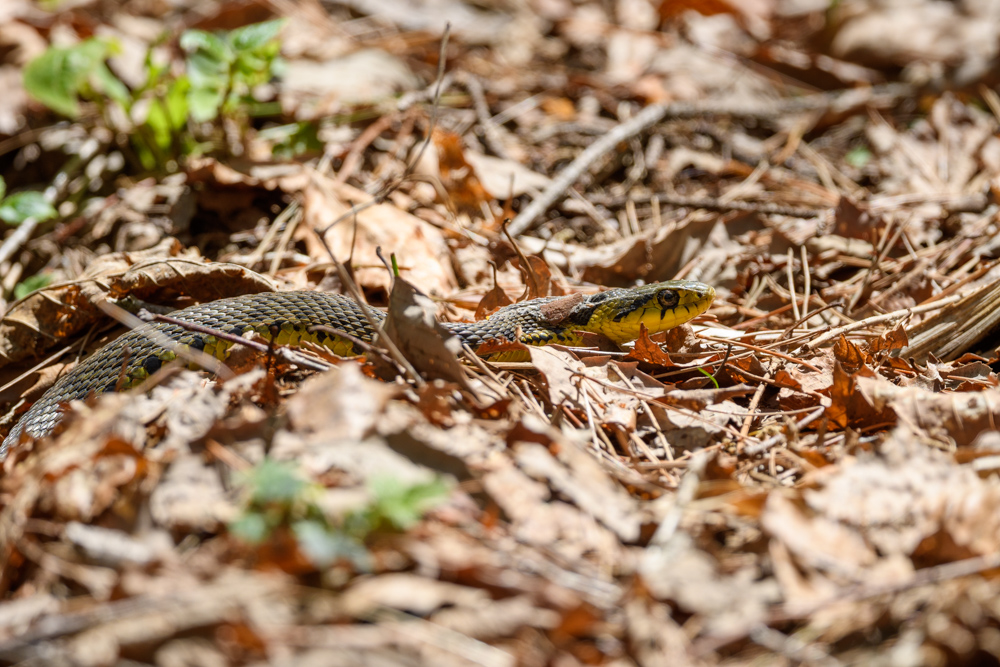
(458, 176)
(412, 325)
(647, 351)
(492, 301)
(848, 405)
(54, 313)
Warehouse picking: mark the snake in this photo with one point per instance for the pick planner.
(292, 317)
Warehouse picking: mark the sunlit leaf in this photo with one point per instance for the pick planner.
(204, 103)
(212, 46)
(255, 36)
(252, 527)
(324, 546)
(274, 481)
(29, 285)
(20, 206)
(404, 505)
(59, 76)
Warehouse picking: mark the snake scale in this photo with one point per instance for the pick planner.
(293, 316)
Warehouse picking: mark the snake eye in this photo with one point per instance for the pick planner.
(667, 298)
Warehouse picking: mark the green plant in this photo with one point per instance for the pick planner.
(279, 497)
(18, 207)
(224, 67)
(858, 157)
(62, 76)
(293, 139)
(220, 71)
(32, 284)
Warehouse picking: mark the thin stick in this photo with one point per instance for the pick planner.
(762, 350)
(790, 270)
(646, 118)
(751, 410)
(807, 277)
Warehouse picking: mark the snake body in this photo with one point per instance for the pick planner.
(293, 316)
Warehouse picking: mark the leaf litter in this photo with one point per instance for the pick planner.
(806, 474)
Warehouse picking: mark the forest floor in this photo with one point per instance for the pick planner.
(805, 474)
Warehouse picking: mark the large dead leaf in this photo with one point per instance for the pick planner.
(418, 245)
(54, 313)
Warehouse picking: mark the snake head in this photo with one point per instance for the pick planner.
(620, 313)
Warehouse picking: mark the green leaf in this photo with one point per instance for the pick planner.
(324, 546)
(177, 103)
(206, 72)
(34, 283)
(3, 187)
(20, 206)
(252, 527)
(109, 84)
(59, 76)
(204, 103)
(275, 482)
(50, 80)
(256, 35)
(169, 113)
(709, 376)
(858, 157)
(403, 506)
(292, 139)
(211, 46)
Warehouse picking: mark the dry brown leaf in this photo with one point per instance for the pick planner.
(192, 496)
(537, 278)
(499, 618)
(502, 179)
(848, 405)
(340, 403)
(457, 175)
(408, 592)
(56, 312)
(893, 339)
(654, 255)
(492, 301)
(412, 325)
(646, 351)
(849, 354)
(559, 368)
(958, 417)
(538, 519)
(854, 221)
(419, 245)
(689, 577)
(906, 500)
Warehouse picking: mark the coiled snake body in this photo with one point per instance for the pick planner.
(129, 359)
